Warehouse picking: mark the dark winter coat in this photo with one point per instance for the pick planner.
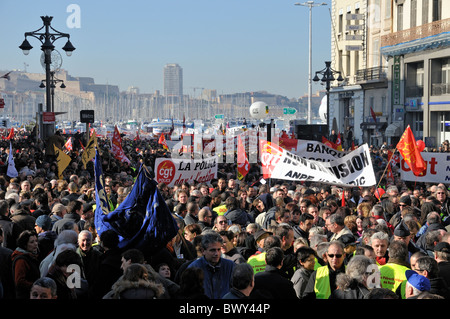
(272, 284)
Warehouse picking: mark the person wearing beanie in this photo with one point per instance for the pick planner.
(46, 237)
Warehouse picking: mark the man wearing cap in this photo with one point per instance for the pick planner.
(87, 214)
(402, 233)
(442, 256)
(258, 261)
(46, 237)
(415, 284)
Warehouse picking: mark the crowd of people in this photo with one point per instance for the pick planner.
(236, 240)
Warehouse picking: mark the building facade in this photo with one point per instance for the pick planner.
(418, 55)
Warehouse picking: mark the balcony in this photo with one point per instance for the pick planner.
(371, 74)
(440, 89)
(420, 32)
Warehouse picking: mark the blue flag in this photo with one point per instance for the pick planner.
(142, 220)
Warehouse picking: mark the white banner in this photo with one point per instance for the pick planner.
(311, 150)
(437, 169)
(353, 169)
(178, 171)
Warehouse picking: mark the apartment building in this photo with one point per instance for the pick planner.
(418, 55)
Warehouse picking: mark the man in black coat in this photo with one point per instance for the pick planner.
(11, 230)
(271, 284)
(110, 262)
(442, 256)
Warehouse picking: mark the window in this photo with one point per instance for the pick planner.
(376, 52)
(437, 10)
(425, 11)
(388, 9)
(400, 17)
(413, 17)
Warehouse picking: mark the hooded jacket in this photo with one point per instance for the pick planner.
(141, 289)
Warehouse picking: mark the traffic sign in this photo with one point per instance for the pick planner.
(219, 116)
(48, 117)
(87, 116)
(289, 110)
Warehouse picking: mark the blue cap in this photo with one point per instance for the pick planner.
(419, 282)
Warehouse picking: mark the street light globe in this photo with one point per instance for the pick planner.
(323, 109)
(259, 110)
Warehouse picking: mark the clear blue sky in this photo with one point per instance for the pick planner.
(229, 45)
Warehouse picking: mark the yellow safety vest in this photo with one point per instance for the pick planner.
(316, 264)
(220, 210)
(322, 285)
(392, 276)
(403, 289)
(258, 262)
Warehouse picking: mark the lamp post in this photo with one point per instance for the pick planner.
(328, 77)
(310, 5)
(47, 35)
(53, 82)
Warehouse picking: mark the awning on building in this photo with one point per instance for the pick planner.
(394, 129)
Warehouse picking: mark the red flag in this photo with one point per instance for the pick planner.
(162, 141)
(353, 146)
(373, 115)
(11, 134)
(243, 165)
(389, 173)
(328, 143)
(394, 159)
(68, 144)
(410, 153)
(116, 148)
(343, 198)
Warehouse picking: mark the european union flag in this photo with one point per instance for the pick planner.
(142, 220)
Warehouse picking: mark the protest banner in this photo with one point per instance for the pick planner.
(311, 150)
(173, 171)
(437, 169)
(353, 169)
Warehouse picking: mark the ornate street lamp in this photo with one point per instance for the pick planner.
(328, 77)
(47, 35)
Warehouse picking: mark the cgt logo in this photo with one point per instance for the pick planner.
(165, 172)
(430, 166)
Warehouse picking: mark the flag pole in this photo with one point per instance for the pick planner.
(389, 161)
